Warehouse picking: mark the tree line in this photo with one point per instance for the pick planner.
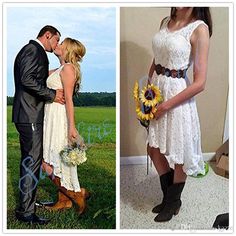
(88, 99)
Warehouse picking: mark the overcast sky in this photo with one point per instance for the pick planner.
(95, 27)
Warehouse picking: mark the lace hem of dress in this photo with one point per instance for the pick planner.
(197, 165)
(193, 169)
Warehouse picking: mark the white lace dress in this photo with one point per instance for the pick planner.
(177, 133)
(55, 137)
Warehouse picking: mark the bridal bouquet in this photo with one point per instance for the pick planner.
(74, 153)
(146, 102)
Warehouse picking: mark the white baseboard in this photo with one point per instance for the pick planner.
(140, 160)
(207, 156)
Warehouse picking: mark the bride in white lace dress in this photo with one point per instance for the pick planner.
(174, 139)
(59, 126)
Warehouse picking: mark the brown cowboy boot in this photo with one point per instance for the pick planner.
(78, 198)
(62, 203)
(86, 194)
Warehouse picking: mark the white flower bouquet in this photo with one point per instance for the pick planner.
(74, 153)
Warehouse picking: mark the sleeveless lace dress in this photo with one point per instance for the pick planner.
(177, 133)
(55, 137)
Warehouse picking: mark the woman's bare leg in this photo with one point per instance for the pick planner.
(159, 160)
(47, 168)
(63, 202)
(179, 176)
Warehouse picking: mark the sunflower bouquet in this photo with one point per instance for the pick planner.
(146, 102)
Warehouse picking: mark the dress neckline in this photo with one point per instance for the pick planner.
(174, 31)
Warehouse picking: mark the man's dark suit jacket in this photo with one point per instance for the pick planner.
(31, 92)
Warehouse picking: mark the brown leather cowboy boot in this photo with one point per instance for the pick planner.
(78, 198)
(62, 203)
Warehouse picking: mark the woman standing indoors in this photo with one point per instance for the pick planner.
(174, 139)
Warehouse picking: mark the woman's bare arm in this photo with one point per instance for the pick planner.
(68, 81)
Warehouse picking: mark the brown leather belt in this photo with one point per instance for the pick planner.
(170, 73)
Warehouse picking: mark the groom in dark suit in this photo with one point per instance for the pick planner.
(31, 93)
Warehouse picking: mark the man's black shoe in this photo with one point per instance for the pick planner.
(44, 204)
(32, 219)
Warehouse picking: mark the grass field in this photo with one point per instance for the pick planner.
(97, 126)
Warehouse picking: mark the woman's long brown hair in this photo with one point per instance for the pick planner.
(199, 13)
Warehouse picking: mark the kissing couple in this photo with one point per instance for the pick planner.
(43, 113)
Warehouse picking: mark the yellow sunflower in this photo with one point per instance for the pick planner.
(151, 95)
(138, 108)
(143, 116)
(144, 112)
(154, 110)
(147, 102)
(136, 91)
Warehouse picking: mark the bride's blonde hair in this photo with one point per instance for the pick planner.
(74, 52)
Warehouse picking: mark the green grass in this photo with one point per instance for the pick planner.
(97, 175)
